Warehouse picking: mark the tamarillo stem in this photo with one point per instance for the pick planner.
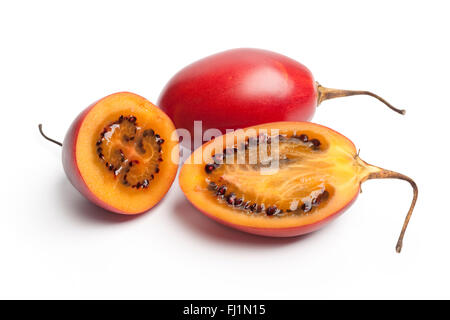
(387, 174)
(328, 93)
(49, 139)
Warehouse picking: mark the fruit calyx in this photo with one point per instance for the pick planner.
(329, 93)
(373, 172)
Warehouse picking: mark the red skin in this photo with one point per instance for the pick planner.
(240, 88)
(282, 232)
(70, 165)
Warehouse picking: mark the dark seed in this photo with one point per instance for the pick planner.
(210, 168)
(238, 202)
(303, 137)
(271, 210)
(306, 207)
(221, 191)
(246, 205)
(231, 198)
(316, 201)
(253, 207)
(315, 142)
(132, 119)
(99, 142)
(325, 194)
(156, 169)
(159, 141)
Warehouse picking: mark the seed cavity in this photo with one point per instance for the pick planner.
(236, 184)
(271, 210)
(131, 153)
(315, 143)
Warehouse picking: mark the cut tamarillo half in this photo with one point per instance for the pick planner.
(279, 179)
(120, 153)
(243, 87)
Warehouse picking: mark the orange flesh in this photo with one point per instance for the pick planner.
(300, 182)
(142, 169)
(310, 184)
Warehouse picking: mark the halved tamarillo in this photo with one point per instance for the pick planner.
(120, 153)
(279, 179)
(244, 87)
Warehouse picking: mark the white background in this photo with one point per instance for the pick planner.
(56, 58)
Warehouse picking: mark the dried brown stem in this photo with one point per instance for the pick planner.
(49, 139)
(328, 93)
(387, 174)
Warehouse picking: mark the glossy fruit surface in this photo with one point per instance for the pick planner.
(278, 179)
(118, 153)
(243, 87)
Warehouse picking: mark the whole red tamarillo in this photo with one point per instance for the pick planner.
(244, 87)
